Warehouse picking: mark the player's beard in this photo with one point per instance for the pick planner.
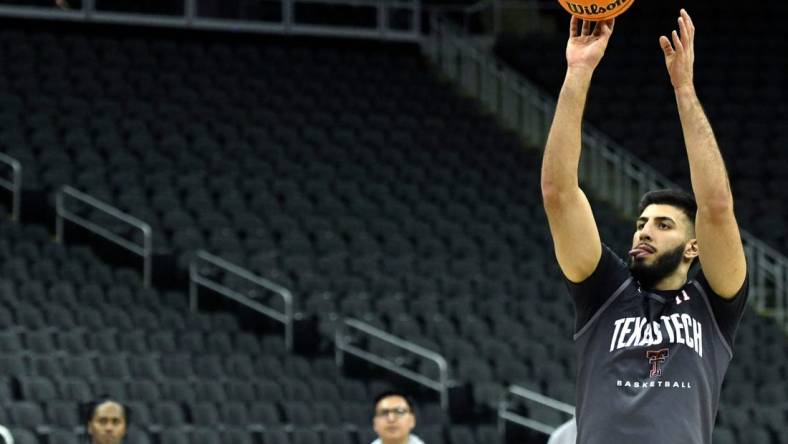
(663, 266)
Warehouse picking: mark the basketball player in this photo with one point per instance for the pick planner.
(652, 346)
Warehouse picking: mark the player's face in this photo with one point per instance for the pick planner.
(663, 235)
(660, 229)
(393, 419)
(108, 425)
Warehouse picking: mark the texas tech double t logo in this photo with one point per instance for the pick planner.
(655, 357)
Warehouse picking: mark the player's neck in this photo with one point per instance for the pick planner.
(675, 281)
(400, 441)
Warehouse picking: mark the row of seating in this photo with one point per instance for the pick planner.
(179, 372)
(164, 413)
(296, 435)
(238, 366)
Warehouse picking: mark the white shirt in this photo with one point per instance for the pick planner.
(412, 439)
(566, 433)
(6, 435)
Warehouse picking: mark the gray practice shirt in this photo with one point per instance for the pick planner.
(650, 363)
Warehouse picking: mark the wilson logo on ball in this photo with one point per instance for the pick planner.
(596, 9)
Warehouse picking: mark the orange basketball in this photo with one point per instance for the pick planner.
(596, 10)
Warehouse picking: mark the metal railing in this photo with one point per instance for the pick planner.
(606, 169)
(196, 279)
(344, 344)
(381, 16)
(14, 184)
(486, 17)
(62, 213)
(464, 13)
(505, 414)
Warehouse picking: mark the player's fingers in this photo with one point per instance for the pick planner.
(684, 32)
(601, 28)
(573, 26)
(677, 42)
(664, 43)
(690, 24)
(586, 28)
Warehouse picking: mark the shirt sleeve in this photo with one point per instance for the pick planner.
(589, 295)
(727, 312)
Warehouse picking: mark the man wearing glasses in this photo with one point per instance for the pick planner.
(394, 419)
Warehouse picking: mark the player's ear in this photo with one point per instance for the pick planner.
(691, 249)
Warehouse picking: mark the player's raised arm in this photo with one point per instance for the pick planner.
(575, 234)
(719, 241)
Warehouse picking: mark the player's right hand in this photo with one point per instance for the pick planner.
(585, 47)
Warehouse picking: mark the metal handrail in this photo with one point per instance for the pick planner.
(62, 213)
(343, 345)
(504, 414)
(288, 23)
(606, 168)
(462, 12)
(14, 185)
(196, 279)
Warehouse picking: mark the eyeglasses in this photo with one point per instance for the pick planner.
(398, 412)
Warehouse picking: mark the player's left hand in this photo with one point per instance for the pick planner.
(680, 55)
